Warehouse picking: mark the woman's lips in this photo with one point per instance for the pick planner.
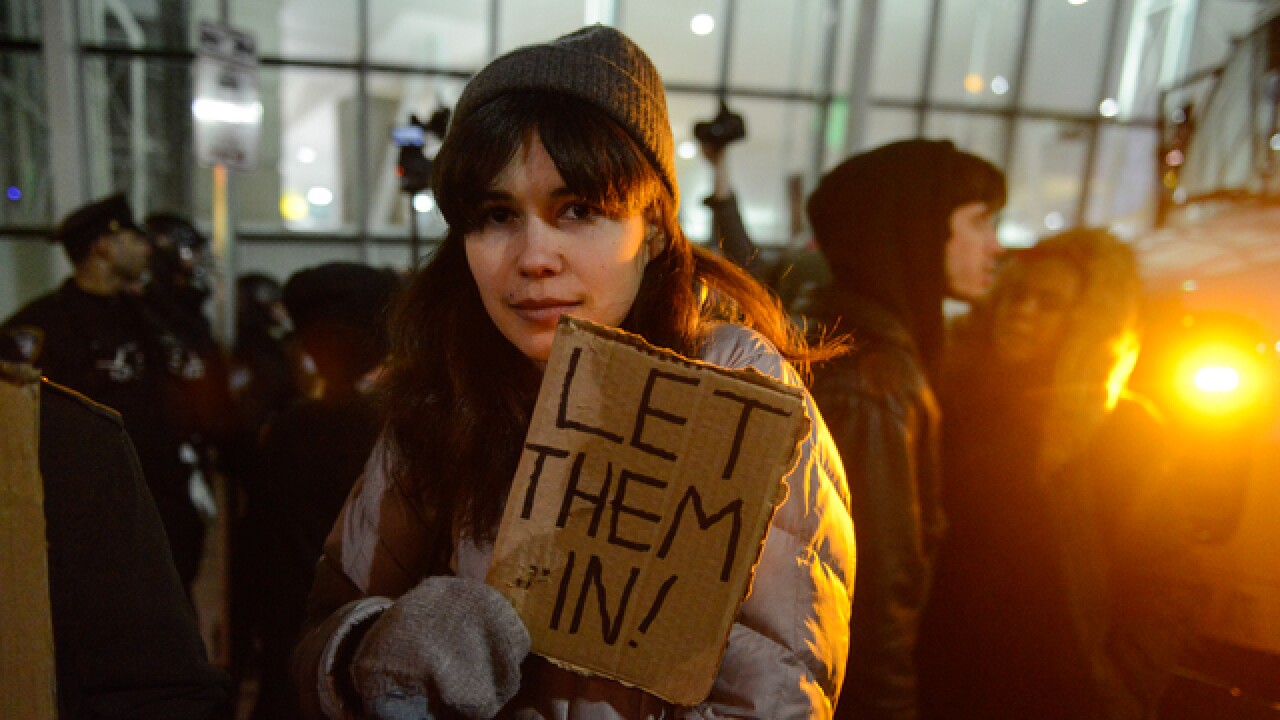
(543, 312)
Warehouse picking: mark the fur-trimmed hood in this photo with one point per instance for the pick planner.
(1099, 344)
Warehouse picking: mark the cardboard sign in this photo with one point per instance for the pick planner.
(640, 507)
(26, 630)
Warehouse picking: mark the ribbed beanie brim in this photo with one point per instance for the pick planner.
(596, 64)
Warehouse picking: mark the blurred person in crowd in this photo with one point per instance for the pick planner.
(125, 640)
(1055, 594)
(264, 370)
(312, 453)
(95, 335)
(199, 400)
(267, 372)
(557, 177)
(798, 275)
(180, 285)
(902, 227)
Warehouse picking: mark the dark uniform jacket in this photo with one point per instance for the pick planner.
(125, 637)
(112, 351)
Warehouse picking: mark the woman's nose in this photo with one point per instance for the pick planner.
(539, 254)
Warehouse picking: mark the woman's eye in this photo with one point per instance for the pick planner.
(498, 215)
(581, 211)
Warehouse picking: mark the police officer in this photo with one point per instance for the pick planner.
(94, 335)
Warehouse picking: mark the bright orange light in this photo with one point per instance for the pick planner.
(1217, 379)
(973, 83)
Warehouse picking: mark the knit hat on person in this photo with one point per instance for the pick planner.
(598, 65)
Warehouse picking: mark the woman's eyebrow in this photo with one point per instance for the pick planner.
(495, 196)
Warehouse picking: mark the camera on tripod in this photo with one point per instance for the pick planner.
(413, 166)
(724, 128)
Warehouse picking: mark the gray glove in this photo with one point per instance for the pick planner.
(452, 638)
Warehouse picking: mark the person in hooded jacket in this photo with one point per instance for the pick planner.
(1065, 585)
(311, 454)
(557, 177)
(901, 227)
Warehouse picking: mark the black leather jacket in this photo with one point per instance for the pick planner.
(884, 419)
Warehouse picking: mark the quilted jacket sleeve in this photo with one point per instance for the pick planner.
(787, 650)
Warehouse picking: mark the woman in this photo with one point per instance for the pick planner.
(1055, 595)
(557, 179)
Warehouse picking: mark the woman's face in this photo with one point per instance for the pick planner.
(1031, 315)
(543, 252)
(971, 251)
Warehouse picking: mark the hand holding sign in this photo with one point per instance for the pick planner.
(450, 638)
(640, 506)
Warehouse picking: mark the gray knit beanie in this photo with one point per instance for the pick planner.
(596, 64)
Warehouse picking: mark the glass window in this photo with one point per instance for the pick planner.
(846, 37)
(1068, 46)
(1135, 81)
(885, 125)
(137, 125)
(977, 51)
(306, 167)
(24, 165)
(301, 29)
(778, 145)
(980, 134)
(902, 27)
(21, 20)
(1124, 179)
(1218, 26)
(664, 31)
(1044, 180)
(433, 33)
(780, 50)
(536, 21)
(392, 99)
(132, 25)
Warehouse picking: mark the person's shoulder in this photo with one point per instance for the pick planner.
(875, 368)
(25, 331)
(72, 409)
(734, 347)
(36, 312)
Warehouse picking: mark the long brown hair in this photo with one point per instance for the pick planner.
(459, 395)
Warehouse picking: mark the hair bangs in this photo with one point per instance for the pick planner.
(597, 159)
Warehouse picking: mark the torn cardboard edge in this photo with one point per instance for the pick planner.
(596, 549)
(27, 671)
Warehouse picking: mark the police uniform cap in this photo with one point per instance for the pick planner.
(109, 215)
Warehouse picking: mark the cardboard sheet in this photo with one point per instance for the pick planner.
(26, 631)
(640, 507)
